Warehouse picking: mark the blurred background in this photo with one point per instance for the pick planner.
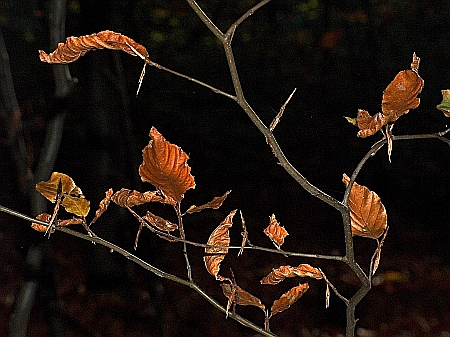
(340, 55)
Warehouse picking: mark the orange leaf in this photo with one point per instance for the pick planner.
(244, 235)
(367, 213)
(129, 198)
(78, 46)
(160, 223)
(303, 270)
(215, 204)
(240, 296)
(49, 188)
(219, 237)
(288, 298)
(68, 222)
(369, 125)
(103, 205)
(42, 228)
(275, 232)
(165, 167)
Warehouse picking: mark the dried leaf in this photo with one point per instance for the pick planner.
(42, 228)
(77, 205)
(68, 222)
(327, 297)
(275, 232)
(165, 167)
(369, 125)
(240, 296)
(103, 205)
(378, 253)
(215, 204)
(444, 106)
(368, 215)
(244, 235)
(288, 298)
(129, 198)
(219, 237)
(303, 270)
(160, 223)
(78, 46)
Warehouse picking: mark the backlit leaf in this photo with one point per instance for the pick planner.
(367, 213)
(303, 270)
(164, 165)
(368, 124)
(240, 296)
(104, 203)
(74, 47)
(275, 232)
(160, 223)
(49, 188)
(77, 205)
(42, 228)
(129, 198)
(219, 237)
(288, 298)
(68, 222)
(444, 106)
(215, 203)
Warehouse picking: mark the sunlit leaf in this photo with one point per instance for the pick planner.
(275, 232)
(160, 223)
(68, 222)
(368, 215)
(49, 188)
(104, 203)
(219, 237)
(215, 203)
(129, 198)
(303, 270)
(164, 165)
(42, 228)
(240, 296)
(288, 298)
(74, 47)
(77, 205)
(444, 106)
(368, 124)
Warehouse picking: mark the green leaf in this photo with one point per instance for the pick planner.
(445, 104)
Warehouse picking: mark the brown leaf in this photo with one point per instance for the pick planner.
(303, 270)
(160, 223)
(288, 298)
(104, 203)
(129, 198)
(244, 235)
(327, 297)
(78, 46)
(68, 222)
(42, 228)
(367, 213)
(215, 204)
(240, 296)
(165, 167)
(275, 232)
(378, 253)
(369, 125)
(219, 237)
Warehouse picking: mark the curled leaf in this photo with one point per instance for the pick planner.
(104, 203)
(129, 198)
(160, 223)
(303, 270)
(275, 232)
(244, 235)
(74, 47)
(215, 204)
(164, 165)
(369, 125)
(219, 237)
(377, 255)
(367, 213)
(68, 222)
(444, 106)
(42, 228)
(288, 298)
(240, 296)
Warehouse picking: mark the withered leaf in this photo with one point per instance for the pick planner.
(303, 270)
(244, 235)
(288, 298)
(368, 124)
(215, 204)
(41, 228)
(129, 198)
(164, 165)
(104, 203)
(74, 47)
(241, 296)
(68, 222)
(160, 223)
(377, 255)
(276, 232)
(219, 237)
(367, 213)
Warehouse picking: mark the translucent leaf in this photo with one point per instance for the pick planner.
(49, 188)
(303, 270)
(77, 205)
(219, 237)
(240, 296)
(129, 198)
(103, 205)
(160, 223)
(215, 203)
(275, 232)
(367, 213)
(74, 47)
(165, 167)
(289, 298)
(444, 106)
(42, 228)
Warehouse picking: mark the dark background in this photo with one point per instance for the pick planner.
(340, 55)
